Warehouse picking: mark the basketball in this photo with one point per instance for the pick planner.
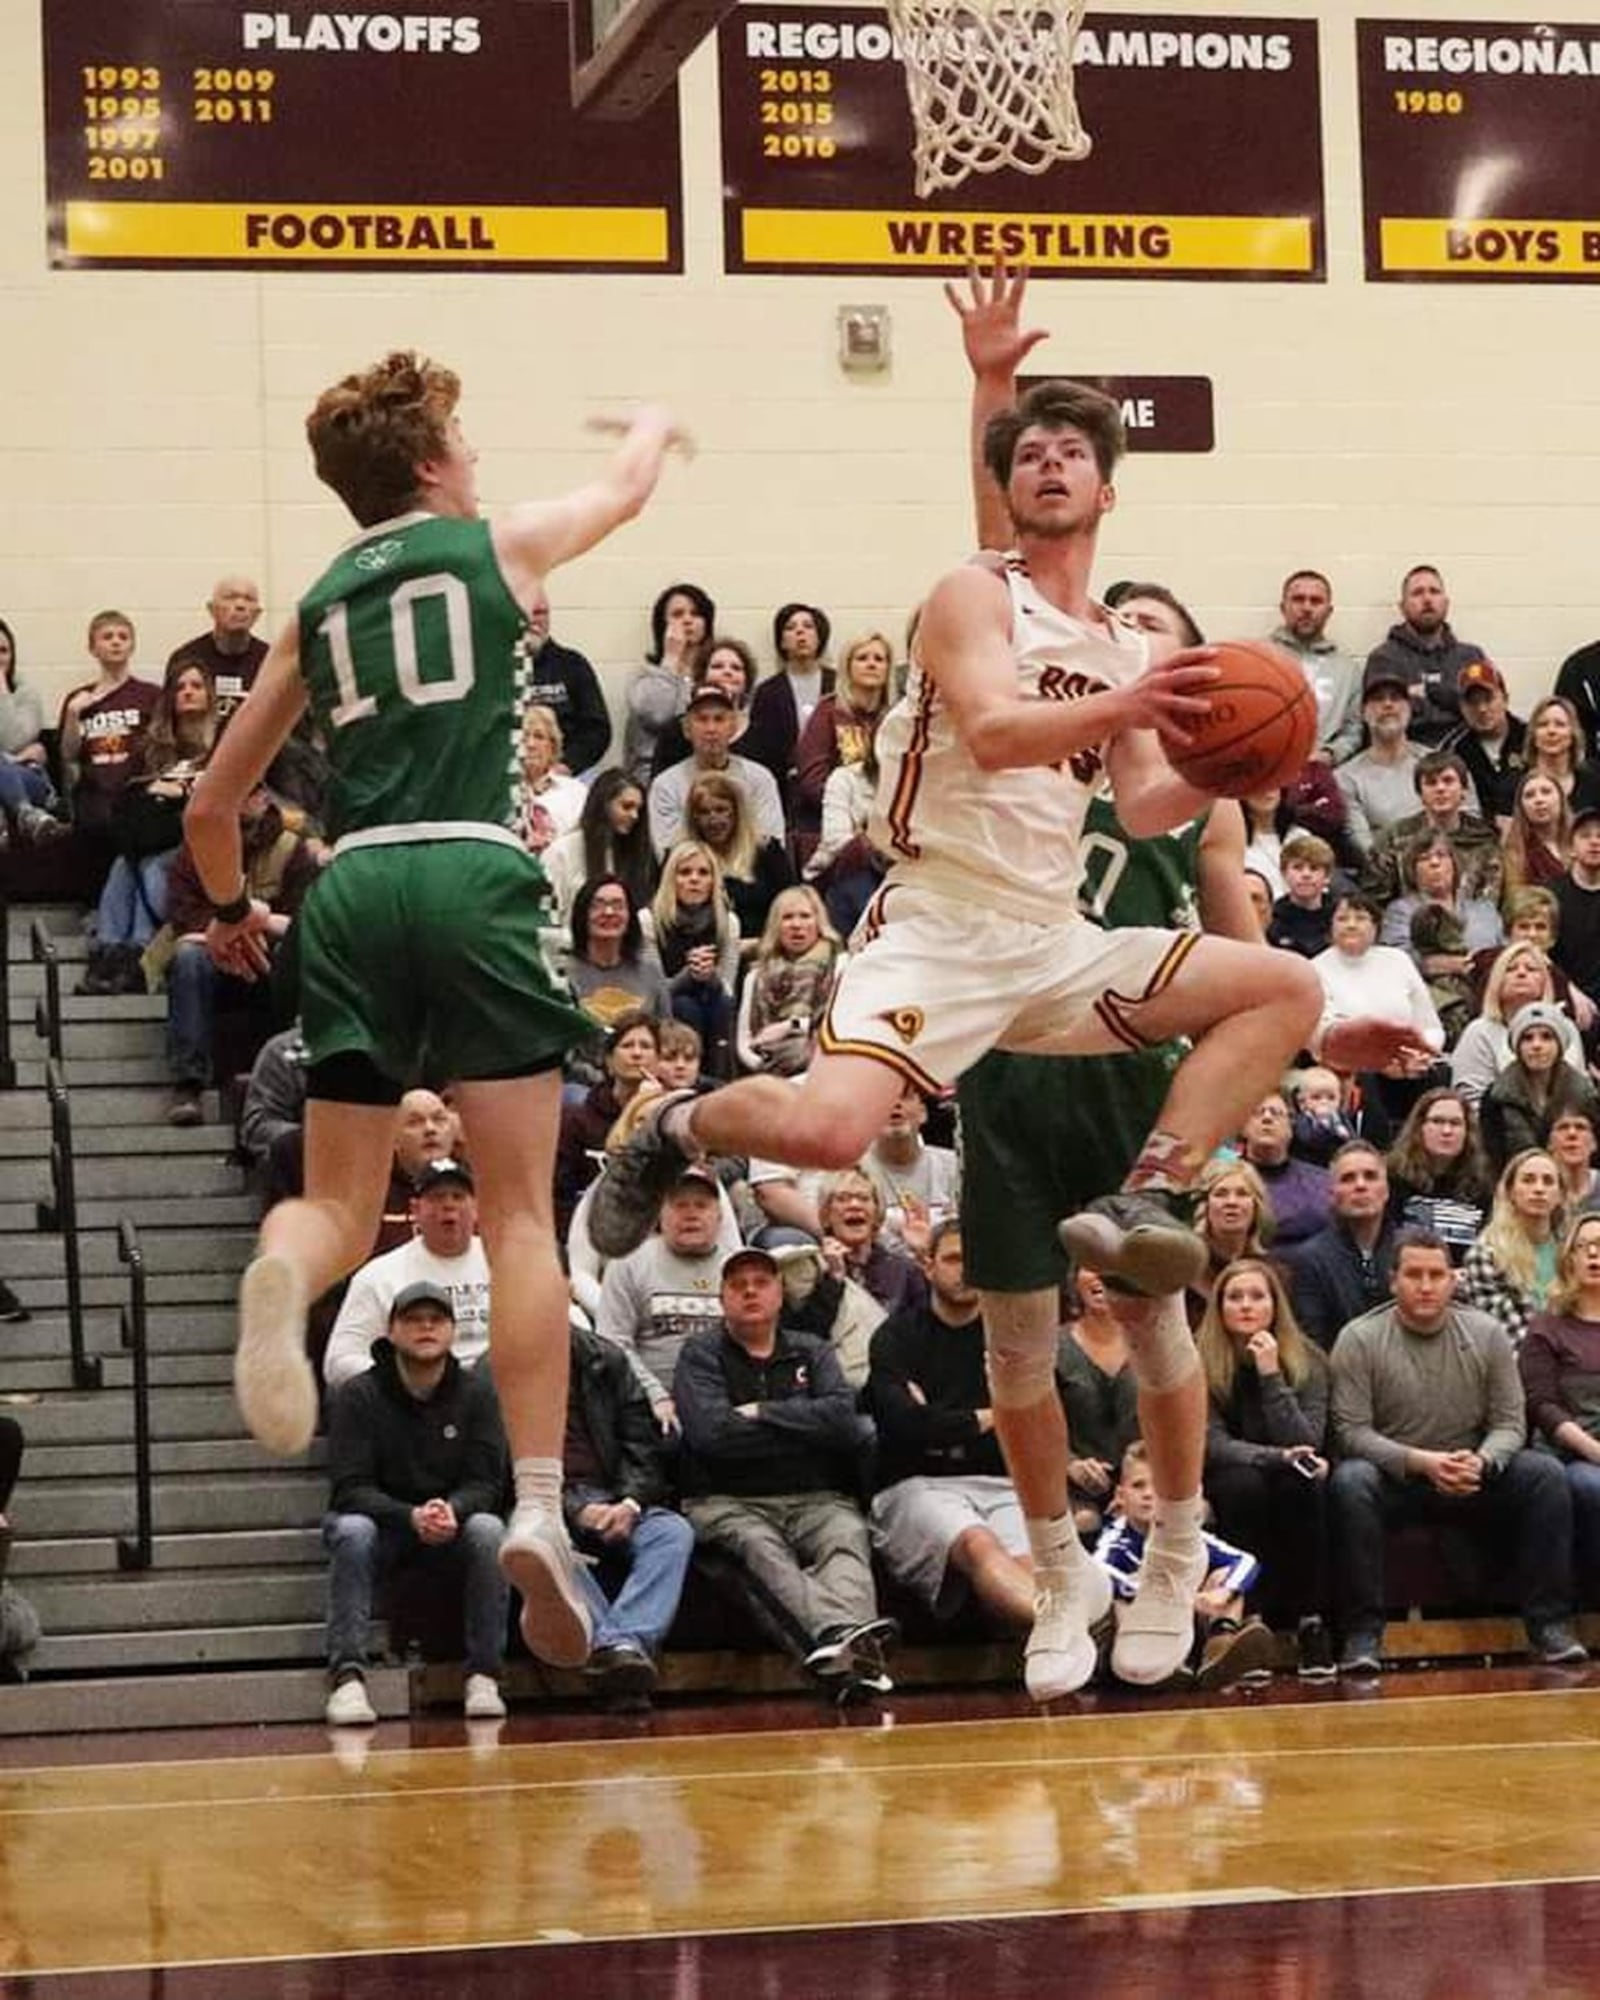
(1262, 726)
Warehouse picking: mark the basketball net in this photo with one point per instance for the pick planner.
(991, 86)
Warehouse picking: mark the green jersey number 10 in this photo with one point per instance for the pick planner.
(335, 628)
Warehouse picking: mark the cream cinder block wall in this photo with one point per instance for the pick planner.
(153, 436)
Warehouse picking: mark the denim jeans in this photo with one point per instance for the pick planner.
(1583, 1482)
(22, 784)
(133, 903)
(634, 1589)
(361, 1552)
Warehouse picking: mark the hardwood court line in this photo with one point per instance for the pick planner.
(542, 1940)
(792, 1774)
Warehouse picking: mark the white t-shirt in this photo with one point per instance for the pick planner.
(364, 1316)
(1383, 983)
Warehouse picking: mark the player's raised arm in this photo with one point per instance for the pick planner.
(533, 538)
(990, 312)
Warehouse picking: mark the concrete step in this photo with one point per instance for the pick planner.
(48, 1293)
(105, 1416)
(106, 1506)
(86, 1073)
(158, 1216)
(101, 1461)
(82, 1009)
(225, 1645)
(142, 1601)
(165, 1250)
(137, 1175)
(268, 1548)
(143, 1106)
(47, 1376)
(171, 1329)
(188, 1700)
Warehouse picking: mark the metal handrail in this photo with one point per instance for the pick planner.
(8, 1068)
(47, 1015)
(86, 1372)
(137, 1551)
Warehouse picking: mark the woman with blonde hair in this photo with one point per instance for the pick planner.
(1266, 1471)
(1508, 1273)
(552, 800)
(843, 724)
(1555, 749)
(1537, 844)
(1233, 1218)
(786, 990)
(1519, 974)
(717, 814)
(1560, 1364)
(692, 937)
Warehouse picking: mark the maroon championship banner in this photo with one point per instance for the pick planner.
(1480, 151)
(209, 133)
(1207, 159)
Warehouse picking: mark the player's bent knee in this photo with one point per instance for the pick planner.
(1020, 1346)
(1163, 1354)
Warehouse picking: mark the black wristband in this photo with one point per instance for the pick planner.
(234, 912)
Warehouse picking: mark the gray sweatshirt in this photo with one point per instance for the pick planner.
(1456, 1390)
(650, 1303)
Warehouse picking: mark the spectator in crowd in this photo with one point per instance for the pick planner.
(446, 1253)
(417, 1462)
(708, 723)
(681, 620)
(820, 1301)
(1491, 742)
(786, 990)
(691, 936)
(1555, 748)
(1572, 1147)
(783, 703)
(429, 1129)
(146, 830)
(1266, 1463)
(840, 732)
(653, 1299)
(772, 1461)
(1507, 1273)
(1296, 1191)
(844, 865)
(279, 868)
(1305, 606)
(1429, 1424)
(1543, 1076)
(560, 679)
(945, 1519)
(1578, 682)
(1101, 1398)
(1431, 872)
(606, 965)
(1268, 820)
(851, 1211)
(1424, 649)
(633, 1049)
(730, 665)
(1302, 918)
(26, 793)
(679, 1060)
(1362, 977)
(1344, 1270)
(615, 1501)
(272, 1118)
(918, 1184)
(1439, 1179)
(230, 651)
(717, 813)
(552, 802)
(102, 722)
(1445, 791)
(611, 838)
(1532, 917)
(1575, 948)
(1378, 782)
(1518, 975)
(1319, 1125)
(1234, 1218)
(1538, 840)
(1228, 1648)
(1262, 897)
(1560, 1366)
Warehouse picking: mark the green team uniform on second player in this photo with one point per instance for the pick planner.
(421, 941)
(1041, 1136)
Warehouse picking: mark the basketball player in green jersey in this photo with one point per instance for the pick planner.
(420, 942)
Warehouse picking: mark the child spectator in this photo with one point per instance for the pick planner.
(1539, 1082)
(1229, 1648)
(1320, 1127)
(786, 990)
(1302, 918)
(678, 1057)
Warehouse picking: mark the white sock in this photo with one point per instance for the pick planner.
(1055, 1543)
(1178, 1523)
(538, 1483)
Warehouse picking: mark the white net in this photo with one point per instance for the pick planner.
(991, 85)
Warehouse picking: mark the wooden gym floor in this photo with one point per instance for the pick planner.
(1433, 1833)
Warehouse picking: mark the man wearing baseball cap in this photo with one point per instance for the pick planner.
(772, 1464)
(708, 722)
(417, 1465)
(1378, 784)
(1491, 741)
(445, 1251)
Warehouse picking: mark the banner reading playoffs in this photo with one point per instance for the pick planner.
(1207, 158)
(213, 133)
(1480, 150)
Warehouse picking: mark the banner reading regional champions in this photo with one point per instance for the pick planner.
(212, 133)
(1207, 156)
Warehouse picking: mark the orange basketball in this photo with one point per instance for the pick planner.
(1262, 726)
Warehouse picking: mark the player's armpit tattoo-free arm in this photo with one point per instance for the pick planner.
(534, 538)
(1151, 797)
(1225, 906)
(239, 763)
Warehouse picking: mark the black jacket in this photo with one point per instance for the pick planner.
(1332, 1283)
(1432, 671)
(563, 681)
(807, 1437)
(388, 1452)
(616, 1414)
(938, 1437)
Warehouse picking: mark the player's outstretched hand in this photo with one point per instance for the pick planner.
(990, 312)
(1173, 694)
(649, 416)
(1367, 1043)
(241, 949)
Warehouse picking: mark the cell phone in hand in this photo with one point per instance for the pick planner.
(1306, 1467)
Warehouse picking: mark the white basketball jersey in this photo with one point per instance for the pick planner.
(1007, 839)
